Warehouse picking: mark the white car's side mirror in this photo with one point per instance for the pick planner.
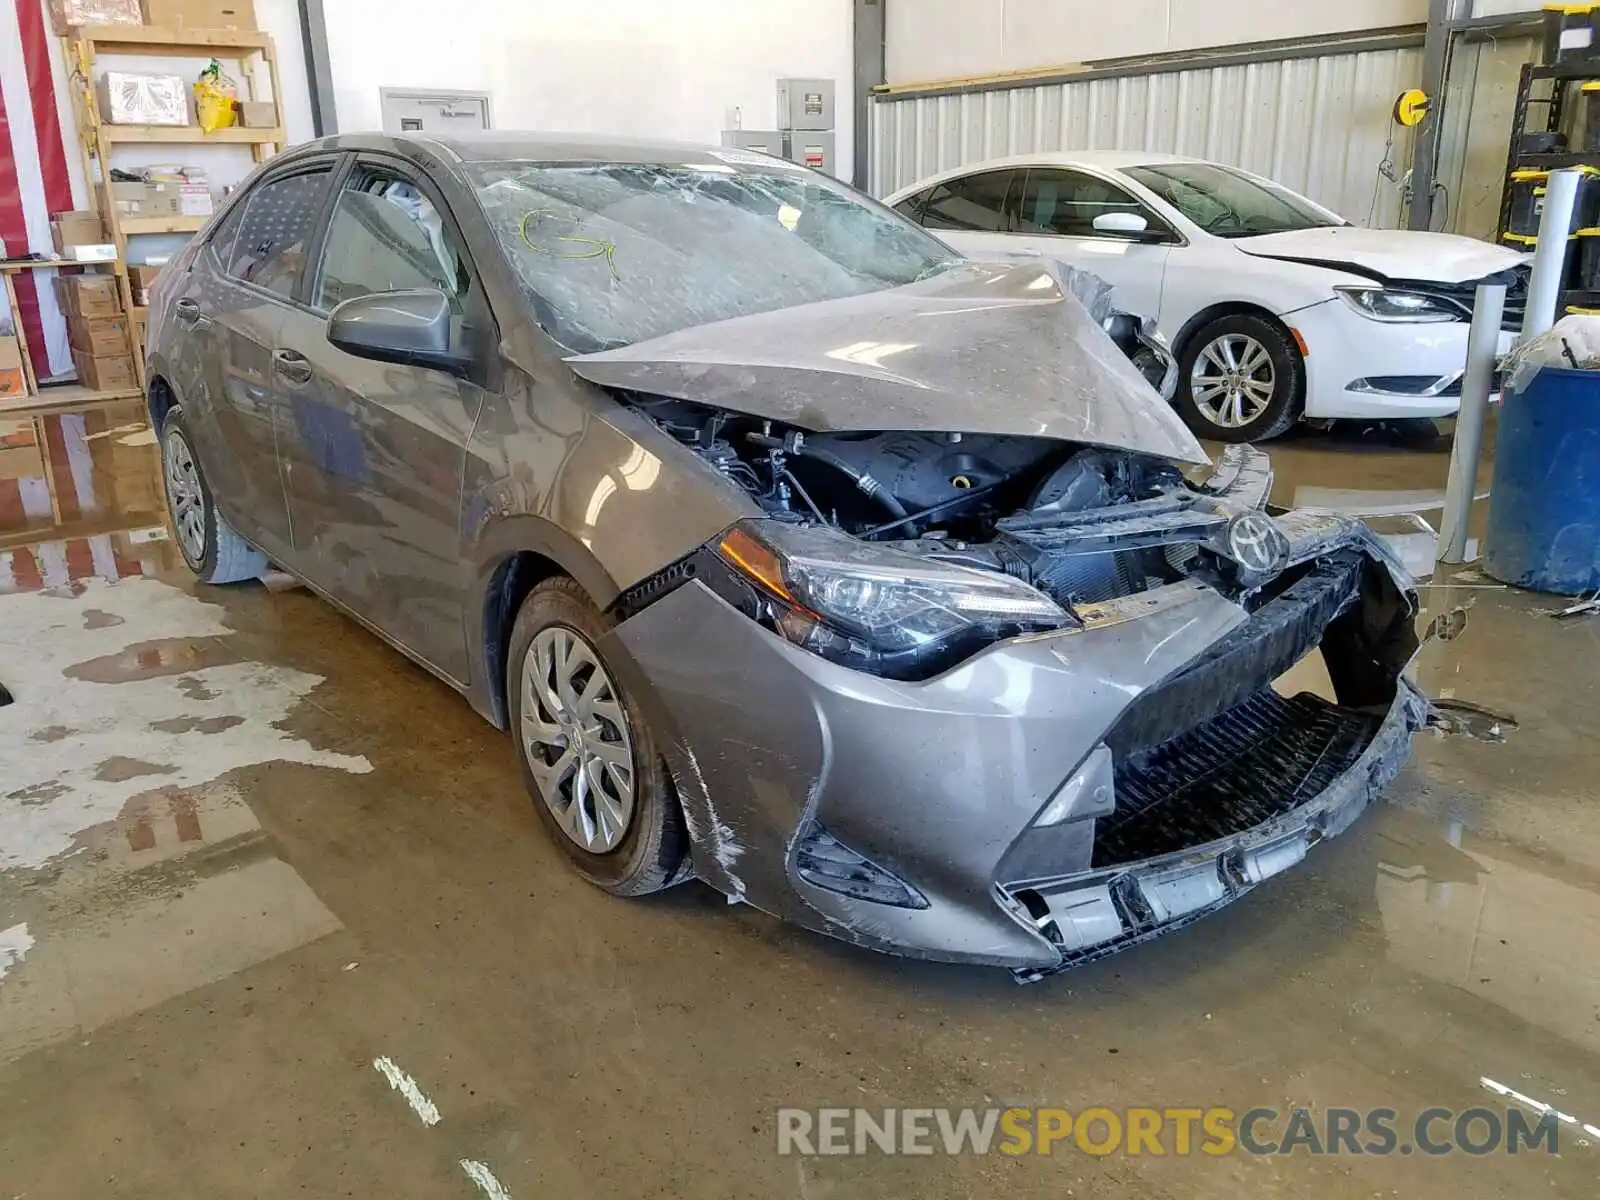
(1121, 222)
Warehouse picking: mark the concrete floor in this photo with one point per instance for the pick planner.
(246, 850)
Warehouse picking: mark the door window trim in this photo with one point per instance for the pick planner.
(336, 165)
(476, 300)
(1008, 202)
(1169, 234)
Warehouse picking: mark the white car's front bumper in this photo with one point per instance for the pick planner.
(1358, 367)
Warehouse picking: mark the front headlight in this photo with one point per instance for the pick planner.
(1383, 304)
(873, 608)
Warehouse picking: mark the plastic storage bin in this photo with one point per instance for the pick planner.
(1544, 509)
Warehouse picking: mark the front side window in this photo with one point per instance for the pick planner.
(385, 235)
(613, 253)
(975, 202)
(1067, 202)
(1230, 203)
(279, 219)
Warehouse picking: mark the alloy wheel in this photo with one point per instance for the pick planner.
(184, 496)
(1233, 380)
(576, 738)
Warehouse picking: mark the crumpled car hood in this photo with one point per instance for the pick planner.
(980, 348)
(1391, 253)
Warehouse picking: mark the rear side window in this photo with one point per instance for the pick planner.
(976, 202)
(279, 220)
(911, 207)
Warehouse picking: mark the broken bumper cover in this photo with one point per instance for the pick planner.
(788, 765)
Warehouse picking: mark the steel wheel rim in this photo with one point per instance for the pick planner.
(1233, 380)
(185, 499)
(576, 739)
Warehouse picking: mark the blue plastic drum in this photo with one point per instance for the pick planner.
(1544, 510)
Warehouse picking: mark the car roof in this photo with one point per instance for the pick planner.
(1103, 160)
(503, 145)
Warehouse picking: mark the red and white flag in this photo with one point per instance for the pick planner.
(38, 174)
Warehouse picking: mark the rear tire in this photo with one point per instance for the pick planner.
(582, 710)
(212, 548)
(1241, 379)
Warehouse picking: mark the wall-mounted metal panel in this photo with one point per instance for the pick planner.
(1317, 124)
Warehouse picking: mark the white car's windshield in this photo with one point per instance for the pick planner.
(1229, 203)
(614, 253)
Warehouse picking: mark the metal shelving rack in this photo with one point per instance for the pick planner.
(1562, 78)
(254, 52)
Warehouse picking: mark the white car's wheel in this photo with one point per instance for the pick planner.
(1241, 379)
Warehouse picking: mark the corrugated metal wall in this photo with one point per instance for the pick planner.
(1317, 124)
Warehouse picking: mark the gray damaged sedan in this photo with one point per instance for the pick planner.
(874, 587)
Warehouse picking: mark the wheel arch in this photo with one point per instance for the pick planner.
(514, 556)
(1228, 308)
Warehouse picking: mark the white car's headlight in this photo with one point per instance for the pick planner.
(874, 608)
(1393, 305)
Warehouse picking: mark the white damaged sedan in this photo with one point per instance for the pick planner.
(1276, 307)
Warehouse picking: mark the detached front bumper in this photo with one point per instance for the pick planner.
(940, 784)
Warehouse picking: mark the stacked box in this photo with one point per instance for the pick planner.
(98, 331)
(200, 14)
(141, 279)
(11, 380)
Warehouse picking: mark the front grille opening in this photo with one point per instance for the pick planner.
(1257, 761)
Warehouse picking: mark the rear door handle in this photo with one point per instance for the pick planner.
(292, 365)
(188, 311)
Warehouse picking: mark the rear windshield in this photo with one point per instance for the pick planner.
(614, 253)
(1231, 204)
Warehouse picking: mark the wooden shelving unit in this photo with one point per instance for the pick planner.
(38, 401)
(256, 59)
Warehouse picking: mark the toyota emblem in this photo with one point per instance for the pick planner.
(1256, 543)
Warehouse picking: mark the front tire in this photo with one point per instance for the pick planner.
(588, 759)
(1241, 379)
(212, 548)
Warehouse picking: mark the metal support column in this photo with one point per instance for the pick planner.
(868, 74)
(319, 72)
(1435, 65)
(1483, 341)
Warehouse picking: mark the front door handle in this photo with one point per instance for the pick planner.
(292, 365)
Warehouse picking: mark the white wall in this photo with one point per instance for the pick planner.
(942, 39)
(660, 68)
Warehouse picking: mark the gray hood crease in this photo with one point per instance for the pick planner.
(982, 348)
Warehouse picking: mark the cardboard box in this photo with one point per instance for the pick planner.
(95, 252)
(78, 228)
(140, 280)
(143, 199)
(141, 98)
(258, 114)
(200, 14)
(89, 295)
(12, 382)
(194, 200)
(114, 374)
(98, 337)
(64, 14)
(20, 455)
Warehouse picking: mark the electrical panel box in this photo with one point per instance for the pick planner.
(763, 141)
(813, 148)
(805, 104)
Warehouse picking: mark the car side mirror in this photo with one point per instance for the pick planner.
(1127, 223)
(414, 327)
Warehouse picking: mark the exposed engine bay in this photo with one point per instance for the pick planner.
(1081, 523)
